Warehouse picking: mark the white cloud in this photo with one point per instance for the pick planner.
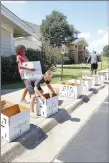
(100, 31)
(99, 43)
(96, 40)
(6, 2)
(86, 35)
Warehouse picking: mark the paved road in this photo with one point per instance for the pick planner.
(92, 142)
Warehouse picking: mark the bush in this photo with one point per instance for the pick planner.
(71, 58)
(99, 58)
(51, 54)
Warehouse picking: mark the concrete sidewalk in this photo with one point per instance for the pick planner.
(39, 125)
(30, 141)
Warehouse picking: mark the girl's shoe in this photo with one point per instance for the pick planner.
(24, 101)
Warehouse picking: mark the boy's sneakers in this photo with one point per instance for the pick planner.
(24, 101)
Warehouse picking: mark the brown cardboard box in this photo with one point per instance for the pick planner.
(15, 120)
(47, 107)
(4, 104)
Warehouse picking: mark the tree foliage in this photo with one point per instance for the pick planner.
(55, 28)
(51, 54)
(106, 51)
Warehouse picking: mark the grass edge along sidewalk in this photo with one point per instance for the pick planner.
(12, 150)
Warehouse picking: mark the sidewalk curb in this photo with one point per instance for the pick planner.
(11, 151)
(51, 122)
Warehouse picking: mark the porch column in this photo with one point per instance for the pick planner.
(12, 45)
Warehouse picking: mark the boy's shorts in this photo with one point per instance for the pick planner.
(94, 66)
(31, 88)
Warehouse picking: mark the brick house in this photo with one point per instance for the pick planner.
(78, 48)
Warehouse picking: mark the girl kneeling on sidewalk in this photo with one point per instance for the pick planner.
(33, 86)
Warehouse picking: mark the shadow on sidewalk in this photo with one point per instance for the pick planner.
(60, 102)
(28, 141)
(94, 90)
(32, 138)
(63, 116)
(85, 98)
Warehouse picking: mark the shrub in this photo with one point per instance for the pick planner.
(9, 69)
(51, 54)
(70, 57)
(99, 58)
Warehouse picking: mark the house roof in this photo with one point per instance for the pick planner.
(20, 27)
(35, 27)
(36, 45)
(79, 40)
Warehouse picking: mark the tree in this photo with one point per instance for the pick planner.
(55, 28)
(106, 51)
(51, 55)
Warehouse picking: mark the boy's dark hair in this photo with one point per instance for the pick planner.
(18, 48)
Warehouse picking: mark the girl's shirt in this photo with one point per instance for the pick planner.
(21, 59)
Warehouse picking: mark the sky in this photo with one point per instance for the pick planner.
(89, 17)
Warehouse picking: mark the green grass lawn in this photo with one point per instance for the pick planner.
(69, 72)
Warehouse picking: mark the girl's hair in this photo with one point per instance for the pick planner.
(18, 48)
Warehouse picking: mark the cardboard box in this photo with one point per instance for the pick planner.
(101, 79)
(4, 104)
(15, 120)
(30, 74)
(72, 90)
(94, 80)
(48, 107)
(86, 85)
(63, 90)
(106, 76)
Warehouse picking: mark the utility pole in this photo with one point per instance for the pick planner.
(64, 50)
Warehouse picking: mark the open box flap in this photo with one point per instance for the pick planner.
(86, 78)
(71, 83)
(47, 96)
(13, 110)
(4, 102)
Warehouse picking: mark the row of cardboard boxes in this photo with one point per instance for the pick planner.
(15, 119)
(73, 89)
